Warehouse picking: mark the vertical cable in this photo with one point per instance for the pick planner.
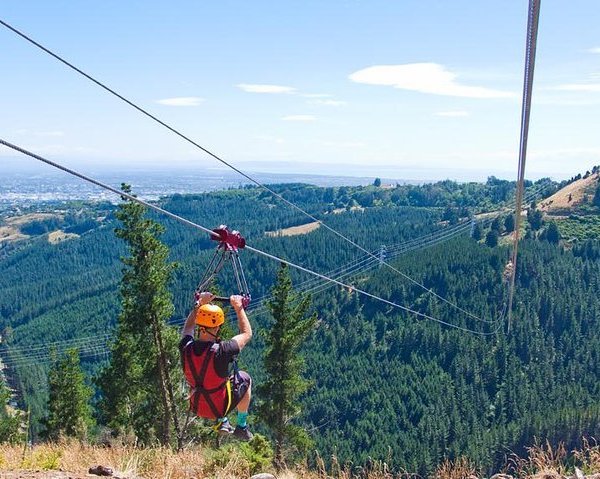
(532, 29)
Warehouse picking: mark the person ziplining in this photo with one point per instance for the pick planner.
(205, 358)
(206, 361)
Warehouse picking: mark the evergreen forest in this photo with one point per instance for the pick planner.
(383, 383)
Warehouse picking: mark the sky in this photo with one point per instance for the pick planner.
(406, 89)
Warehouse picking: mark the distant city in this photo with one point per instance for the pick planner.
(26, 189)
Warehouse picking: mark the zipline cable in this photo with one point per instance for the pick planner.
(248, 247)
(229, 165)
(530, 48)
(31, 354)
(91, 346)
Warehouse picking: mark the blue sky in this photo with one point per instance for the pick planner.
(401, 89)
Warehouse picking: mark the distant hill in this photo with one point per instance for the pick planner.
(572, 208)
(572, 197)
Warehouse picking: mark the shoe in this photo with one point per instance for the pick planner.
(242, 433)
(225, 428)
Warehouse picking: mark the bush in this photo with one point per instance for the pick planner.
(258, 452)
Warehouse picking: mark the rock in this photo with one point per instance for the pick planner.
(101, 471)
(579, 473)
(263, 475)
(501, 476)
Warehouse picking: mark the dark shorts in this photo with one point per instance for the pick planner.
(240, 384)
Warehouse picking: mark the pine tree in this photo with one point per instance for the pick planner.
(137, 385)
(535, 217)
(284, 366)
(10, 420)
(69, 410)
(477, 232)
(491, 239)
(509, 223)
(596, 200)
(552, 233)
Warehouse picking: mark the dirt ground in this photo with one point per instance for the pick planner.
(42, 475)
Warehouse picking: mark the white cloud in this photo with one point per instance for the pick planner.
(328, 102)
(254, 88)
(588, 87)
(425, 78)
(299, 118)
(55, 133)
(456, 113)
(181, 101)
(594, 50)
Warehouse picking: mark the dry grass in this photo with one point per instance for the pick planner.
(461, 468)
(126, 461)
(28, 218)
(542, 462)
(588, 456)
(59, 236)
(559, 202)
(295, 230)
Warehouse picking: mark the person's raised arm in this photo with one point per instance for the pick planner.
(190, 322)
(243, 323)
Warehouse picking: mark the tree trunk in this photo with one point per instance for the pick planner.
(169, 387)
(166, 434)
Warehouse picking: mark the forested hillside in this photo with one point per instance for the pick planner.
(387, 384)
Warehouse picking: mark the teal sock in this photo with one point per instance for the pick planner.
(241, 419)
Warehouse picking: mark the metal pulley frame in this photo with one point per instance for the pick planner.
(227, 252)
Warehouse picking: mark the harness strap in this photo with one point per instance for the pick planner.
(200, 390)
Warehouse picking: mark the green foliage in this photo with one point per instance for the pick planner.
(579, 228)
(284, 366)
(552, 233)
(135, 385)
(535, 218)
(491, 238)
(10, 420)
(596, 200)
(477, 232)
(254, 456)
(69, 410)
(46, 460)
(258, 452)
(387, 386)
(509, 223)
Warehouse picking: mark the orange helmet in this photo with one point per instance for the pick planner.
(209, 316)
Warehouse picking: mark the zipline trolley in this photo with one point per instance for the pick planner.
(230, 242)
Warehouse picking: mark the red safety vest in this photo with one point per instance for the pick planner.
(211, 394)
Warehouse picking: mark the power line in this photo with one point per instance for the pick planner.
(313, 285)
(247, 247)
(309, 286)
